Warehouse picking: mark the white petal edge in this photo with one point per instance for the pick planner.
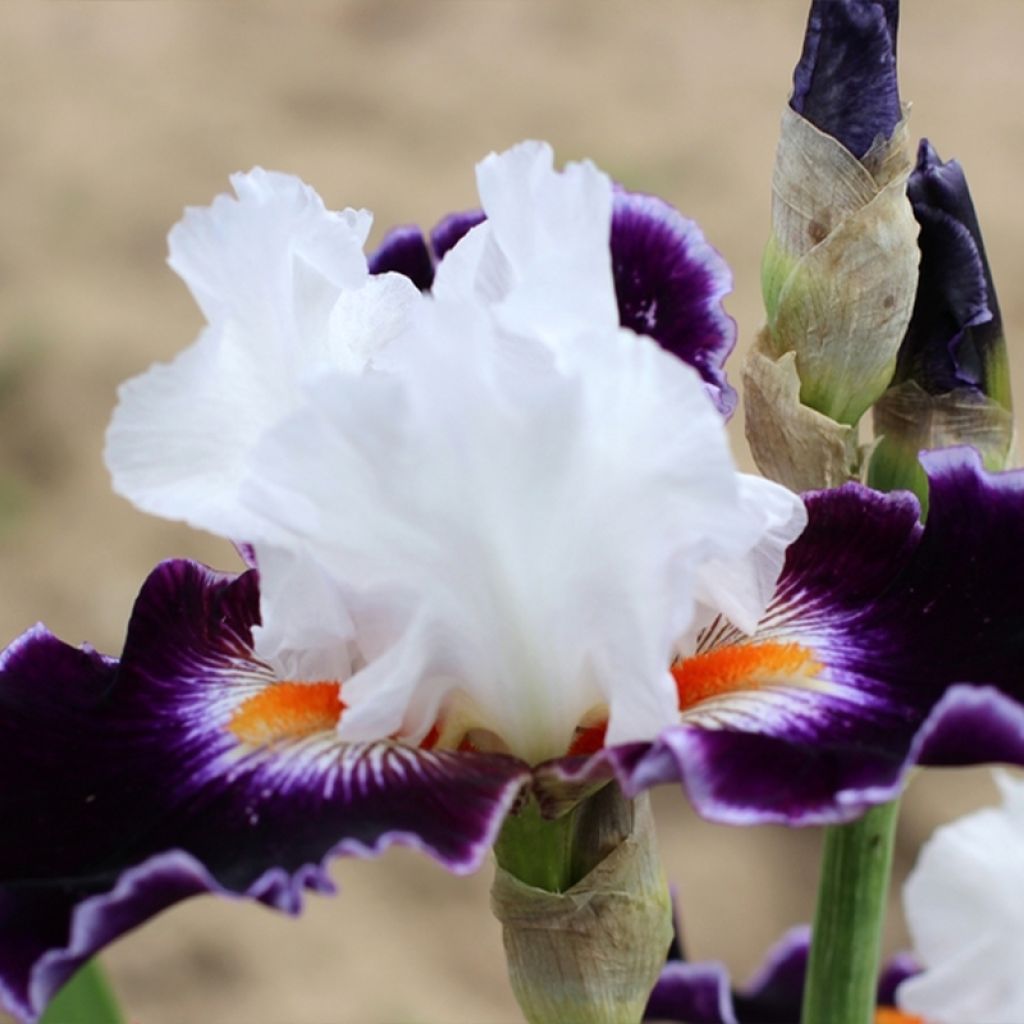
(543, 256)
(285, 286)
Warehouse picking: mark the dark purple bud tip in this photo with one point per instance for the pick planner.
(845, 83)
(955, 336)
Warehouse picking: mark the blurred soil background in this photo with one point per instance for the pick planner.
(116, 115)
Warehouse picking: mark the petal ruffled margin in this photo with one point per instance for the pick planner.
(700, 993)
(134, 793)
(918, 638)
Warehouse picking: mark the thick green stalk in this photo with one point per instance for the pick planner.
(842, 975)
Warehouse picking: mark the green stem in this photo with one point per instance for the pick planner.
(85, 999)
(553, 854)
(842, 975)
(536, 850)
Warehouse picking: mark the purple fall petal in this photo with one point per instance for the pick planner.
(133, 792)
(700, 993)
(845, 83)
(695, 993)
(774, 994)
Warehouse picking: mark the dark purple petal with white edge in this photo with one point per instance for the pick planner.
(133, 793)
(403, 250)
(774, 994)
(700, 993)
(956, 324)
(695, 993)
(917, 638)
(670, 283)
(845, 83)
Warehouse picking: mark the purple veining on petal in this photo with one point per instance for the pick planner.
(956, 324)
(134, 793)
(921, 634)
(845, 82)
(247, 553)
(670, 283)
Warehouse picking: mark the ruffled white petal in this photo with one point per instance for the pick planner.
(240, 256)
(521, 531)
(284, 285)
(306, 633)
(493, 503)
(964, 903)
(741, 587)
(543, 255)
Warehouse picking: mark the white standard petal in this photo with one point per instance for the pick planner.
(284, 284)
(543, 256)
(740, 587)
(306, 633)
(253, 256)
(519, 538)
(964, 904)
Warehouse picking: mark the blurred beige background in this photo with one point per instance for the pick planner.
(116, 115)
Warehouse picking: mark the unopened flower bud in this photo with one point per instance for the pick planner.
(591, 952)
(840, 268)
(952, 383)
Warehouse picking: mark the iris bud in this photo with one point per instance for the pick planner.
(587, 948)
(840, 269)
(952, 383)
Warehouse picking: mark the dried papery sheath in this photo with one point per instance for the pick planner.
(839, 277)
(908, 420)
(590, 954)
(790, 441)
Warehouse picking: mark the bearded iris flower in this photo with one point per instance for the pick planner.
(497, 543)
